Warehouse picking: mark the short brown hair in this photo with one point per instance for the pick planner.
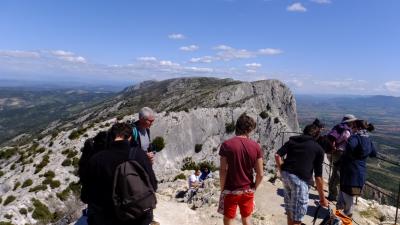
(244, 124)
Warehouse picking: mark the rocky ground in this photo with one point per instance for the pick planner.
(172, 210)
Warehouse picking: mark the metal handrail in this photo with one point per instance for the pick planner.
(382, 158)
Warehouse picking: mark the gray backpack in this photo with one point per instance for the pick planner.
(133, 195)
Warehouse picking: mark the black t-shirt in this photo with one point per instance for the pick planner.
(303, 156)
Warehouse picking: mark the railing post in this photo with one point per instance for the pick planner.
(283, 138)
(397, 205)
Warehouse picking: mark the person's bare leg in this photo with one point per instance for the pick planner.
(227, 221)
(246, 220)
(289, 220)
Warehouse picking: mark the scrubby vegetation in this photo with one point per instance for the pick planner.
(16, 185)
(230, 127)
(42, 164)
(158, 144)
(276, 120)
(198, 148)
(1, 173)
(55, 184)
(23, 211)
(27, 183)
(189, 164)
(180, 176)
(75, 134)
(41, 212)
(8, 153)
(41, 187)
(9, 199)
(264, 115)
(66, 162)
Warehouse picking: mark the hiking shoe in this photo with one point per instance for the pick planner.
(154, 223)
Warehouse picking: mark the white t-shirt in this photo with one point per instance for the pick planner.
(193, 179)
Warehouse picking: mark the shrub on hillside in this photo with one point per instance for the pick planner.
(188, 164)
(264, 115)
(37, 188)
(230, 127)
(8, 216)
(1, 173)
(63, 196)
(42, 164)
(180, 176)
(23, 211)
(5, 223)
(27, 183)
(158, 144)
(66, 162)
(9, 199)
(276, 120)
(8, 153)
(49, 174)
(72, 153)
(55, 184)
(41, 212)
(198, 148)
(16, 185)
(207, 164)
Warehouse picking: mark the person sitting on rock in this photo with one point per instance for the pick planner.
(239, 158)
(194, 185)
(205, 174)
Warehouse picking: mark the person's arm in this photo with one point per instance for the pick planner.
(223, 169)
(150, 156)
(319, 181)
(259, 171)
(278, 161)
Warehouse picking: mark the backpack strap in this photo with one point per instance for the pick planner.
(135, 134)
(316, 214)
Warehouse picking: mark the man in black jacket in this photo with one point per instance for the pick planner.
(100, 175)
(303, 157)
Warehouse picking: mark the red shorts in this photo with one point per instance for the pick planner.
(245, 202)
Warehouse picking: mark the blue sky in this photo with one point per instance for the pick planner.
(314, 46)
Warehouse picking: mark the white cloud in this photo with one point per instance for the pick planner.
(68, 56)
(147, 59)
(176, 36)
(204, 59)
(346, 84)
(270, 51)
(322, 1)
(168, 63)
(296, 7)
(200, 69)
(19, 54)
(251, 71)
(189, 48)
(223, 47)
(227, 53)
(392, 86)
(253, 65)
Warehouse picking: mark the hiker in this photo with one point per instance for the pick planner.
(338, 136)
(303, 155)
(141, 132)
(100, 174)
(240, 157)
(353, 166)
(205, 174)
(194, 184)
(194, 179)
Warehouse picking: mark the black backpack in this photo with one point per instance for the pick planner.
(133, 195)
